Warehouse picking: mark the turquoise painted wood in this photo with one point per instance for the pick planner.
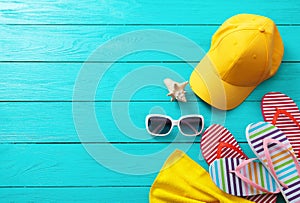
(142, 12)
(75, 194)
(70, 165)
(43, 47)
(67, 43)
(47, 125)
(55, 81)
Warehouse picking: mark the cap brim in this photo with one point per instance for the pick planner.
(208, 85)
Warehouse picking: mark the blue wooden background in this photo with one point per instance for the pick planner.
(43, 46)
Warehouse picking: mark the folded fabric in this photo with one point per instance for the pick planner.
(242, 177)
(183, 180)
(274, 150)
(217, 142)
(281, 111)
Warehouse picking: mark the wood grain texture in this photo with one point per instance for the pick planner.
(43, 46)
(77, 43)
(82, 194)
(121, 82)
(32, 122)
(142, 12)
(69, 165)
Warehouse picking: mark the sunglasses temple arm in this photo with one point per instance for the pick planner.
(192, 127)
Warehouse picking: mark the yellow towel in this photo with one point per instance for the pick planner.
(183, 180)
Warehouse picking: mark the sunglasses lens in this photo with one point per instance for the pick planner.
(191, 125)
(159, 125)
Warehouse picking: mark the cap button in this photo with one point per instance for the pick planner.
(261, 29)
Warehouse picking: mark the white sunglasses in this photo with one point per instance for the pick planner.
(161, 125)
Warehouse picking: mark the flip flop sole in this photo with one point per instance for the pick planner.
(221, 173)
(211, 138)
(274, 101)
(284, 166)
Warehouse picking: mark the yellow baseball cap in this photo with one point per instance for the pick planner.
(246, 50)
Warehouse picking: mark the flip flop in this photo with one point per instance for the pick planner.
(281, 111)
(217, 142)
(241, 177)
(274, 150)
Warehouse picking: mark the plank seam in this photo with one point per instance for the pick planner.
(122, 62)
(79, 186)
(133, 24)
(102, 143)
(109, 101)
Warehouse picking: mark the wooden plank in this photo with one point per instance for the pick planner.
(82, 194)
(31, 122)
(45, 165)
(103, 194)
(142, 12)
(121, 82)
(77, 43)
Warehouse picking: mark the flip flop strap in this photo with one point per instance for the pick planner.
(267, 141)
(223, 145)
(282, 111)
(247, 180)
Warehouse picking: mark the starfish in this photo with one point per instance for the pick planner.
(176, 90)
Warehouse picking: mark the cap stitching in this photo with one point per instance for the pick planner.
(236, 58)
(266, 64)
(235, 30)
(267, 61)
(261, 78)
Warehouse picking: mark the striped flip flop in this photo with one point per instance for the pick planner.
(217, 142)
(242, 177)
(274, 150)
(281, 111)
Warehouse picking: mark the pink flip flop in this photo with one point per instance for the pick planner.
(217, 142)
(273, 149)
(281, 111)
(242, 177)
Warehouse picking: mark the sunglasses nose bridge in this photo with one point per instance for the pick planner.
(175, 122)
